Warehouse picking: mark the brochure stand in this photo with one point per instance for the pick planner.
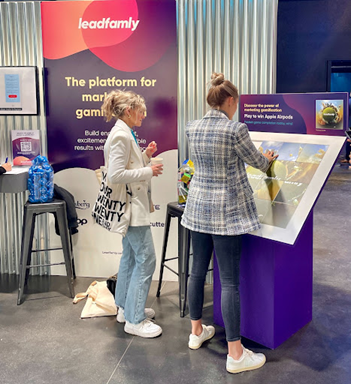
(275, 286)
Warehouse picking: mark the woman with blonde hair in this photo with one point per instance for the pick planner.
(219, 209)
(127, 164)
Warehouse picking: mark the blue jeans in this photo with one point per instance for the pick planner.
(136, 268)
(228, 253)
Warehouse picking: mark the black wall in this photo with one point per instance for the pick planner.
(311, 32)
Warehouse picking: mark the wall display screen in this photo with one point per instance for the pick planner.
(285, 194)
(18, 91)
(311, 113)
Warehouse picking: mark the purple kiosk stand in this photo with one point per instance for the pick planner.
(276, 278)
(275, 285)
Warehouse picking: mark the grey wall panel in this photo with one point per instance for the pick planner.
(235, 37)
(20, 45)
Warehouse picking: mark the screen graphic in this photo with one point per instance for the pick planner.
(12, 88)
(329, 114)
(311, 113)
(287, 192)
(278, 192)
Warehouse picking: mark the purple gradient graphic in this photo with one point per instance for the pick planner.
(297, 115)
(154, 35)
(69, 94)
(114, 10)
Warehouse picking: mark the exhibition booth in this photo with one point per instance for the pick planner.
(117, 40)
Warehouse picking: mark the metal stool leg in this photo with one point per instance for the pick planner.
(26, 249)
(183, 265)
(176, 210)
(73, 266)
(66, 246)
(29, 259)
(164, 251)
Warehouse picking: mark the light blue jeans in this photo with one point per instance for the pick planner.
(136, 268)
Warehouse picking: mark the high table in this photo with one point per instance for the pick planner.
(14, 181)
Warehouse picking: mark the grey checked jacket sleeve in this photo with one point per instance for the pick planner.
(246, 150)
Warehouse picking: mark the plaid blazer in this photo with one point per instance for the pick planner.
(220, 199)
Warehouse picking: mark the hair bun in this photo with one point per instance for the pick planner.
(217, 79)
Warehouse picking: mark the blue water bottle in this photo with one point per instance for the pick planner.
(40, 181)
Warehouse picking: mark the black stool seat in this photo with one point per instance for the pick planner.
(174, 210)
(58, 208)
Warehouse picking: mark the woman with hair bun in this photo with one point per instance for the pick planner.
(127, 164)
(219, 209)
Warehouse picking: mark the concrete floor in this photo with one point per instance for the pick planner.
(45, 341)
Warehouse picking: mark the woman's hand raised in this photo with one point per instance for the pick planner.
(270, 156)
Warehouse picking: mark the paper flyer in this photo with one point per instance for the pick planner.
(25, 146)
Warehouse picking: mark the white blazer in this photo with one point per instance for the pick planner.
(127, 164)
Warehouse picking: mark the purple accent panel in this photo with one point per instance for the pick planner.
(291, 113)
(275, 285)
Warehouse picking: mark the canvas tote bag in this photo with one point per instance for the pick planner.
(112, 206)
(100, 301)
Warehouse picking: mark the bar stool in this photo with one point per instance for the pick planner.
(176, 210)
(58, 208)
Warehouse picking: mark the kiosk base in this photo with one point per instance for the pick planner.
(275, 285)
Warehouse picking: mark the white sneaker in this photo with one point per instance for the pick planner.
(247, 362)
(207, 333)
(149, 313)
(146, 329)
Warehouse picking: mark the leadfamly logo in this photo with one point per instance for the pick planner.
(106, 23)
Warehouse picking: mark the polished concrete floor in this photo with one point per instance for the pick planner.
(45, 341)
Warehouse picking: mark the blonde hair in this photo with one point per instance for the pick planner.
(220, 90)
(117, 101)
